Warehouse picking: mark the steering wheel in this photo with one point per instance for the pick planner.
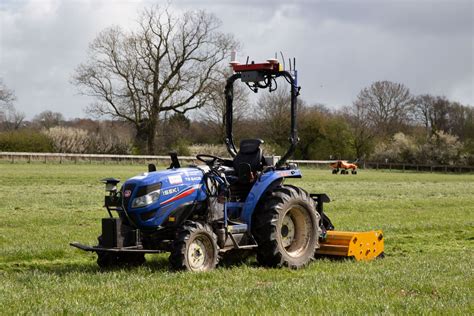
(209, 160)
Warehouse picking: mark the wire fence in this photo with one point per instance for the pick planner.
(31, 157)
(417, 167)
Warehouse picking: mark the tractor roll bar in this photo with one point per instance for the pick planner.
(229, 98)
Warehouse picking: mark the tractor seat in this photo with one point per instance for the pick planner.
(249, 160)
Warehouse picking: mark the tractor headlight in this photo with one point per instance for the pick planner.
(149, 195)
(146, 199)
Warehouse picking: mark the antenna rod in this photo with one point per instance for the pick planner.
(283, 59)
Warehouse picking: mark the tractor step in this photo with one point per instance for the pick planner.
(237, 228)
(359, 245)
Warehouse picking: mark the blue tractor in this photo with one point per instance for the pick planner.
(223, 208)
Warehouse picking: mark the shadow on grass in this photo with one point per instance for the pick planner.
(65, 268)
(154, 264)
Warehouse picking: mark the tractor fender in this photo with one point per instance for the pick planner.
(266, 181)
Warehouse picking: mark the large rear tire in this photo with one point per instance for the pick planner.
(285, 227)
(195, 248)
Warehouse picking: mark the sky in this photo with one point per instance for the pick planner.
(340, 46)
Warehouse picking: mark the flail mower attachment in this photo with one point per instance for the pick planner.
(359, 245)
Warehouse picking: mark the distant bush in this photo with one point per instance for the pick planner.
(181, 147)
(440, 148)
(107, 142)
(469, 151)
(25, 141)
(401, 148)
(69, 140)
(221, 150)
(209, 149)
(76, 140)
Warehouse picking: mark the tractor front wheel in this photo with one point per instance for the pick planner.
(286, 228)
(195, 248)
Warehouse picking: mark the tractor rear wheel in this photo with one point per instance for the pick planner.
(195, 248)
(286, 228)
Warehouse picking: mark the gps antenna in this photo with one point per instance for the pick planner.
(283, 60)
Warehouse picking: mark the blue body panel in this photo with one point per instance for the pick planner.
(259, 188)
(186, 185)
(178, 187)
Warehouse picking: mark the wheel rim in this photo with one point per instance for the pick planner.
(295, 231)
(198, 253)
(287, 231)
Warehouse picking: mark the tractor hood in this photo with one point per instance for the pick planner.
(158, 198)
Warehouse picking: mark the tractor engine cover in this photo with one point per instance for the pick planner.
(162, 198)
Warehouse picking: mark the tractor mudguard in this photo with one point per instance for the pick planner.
(262, 184)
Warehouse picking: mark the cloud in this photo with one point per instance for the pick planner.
(43, 41)
(340, 46)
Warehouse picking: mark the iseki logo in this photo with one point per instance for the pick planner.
(170, 191)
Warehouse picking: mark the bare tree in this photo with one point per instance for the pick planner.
(274, 109)
(275, 113)
(213, 113)
(10, 118)
(14, 120)
(168, 64)
(433, 113)
(362, 132)
(461, 121)
(385, 105)
(7, 96)
(48, 119)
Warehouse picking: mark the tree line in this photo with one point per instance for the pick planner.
(159, 87)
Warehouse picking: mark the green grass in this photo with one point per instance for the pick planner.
(427, 221)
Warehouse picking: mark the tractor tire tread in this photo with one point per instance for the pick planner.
(177, 258)
(265, 226)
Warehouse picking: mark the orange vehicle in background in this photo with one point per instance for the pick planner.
(343, 166)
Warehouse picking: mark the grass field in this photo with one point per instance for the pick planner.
(428, 221)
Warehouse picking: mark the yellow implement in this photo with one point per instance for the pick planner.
(360, 245)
